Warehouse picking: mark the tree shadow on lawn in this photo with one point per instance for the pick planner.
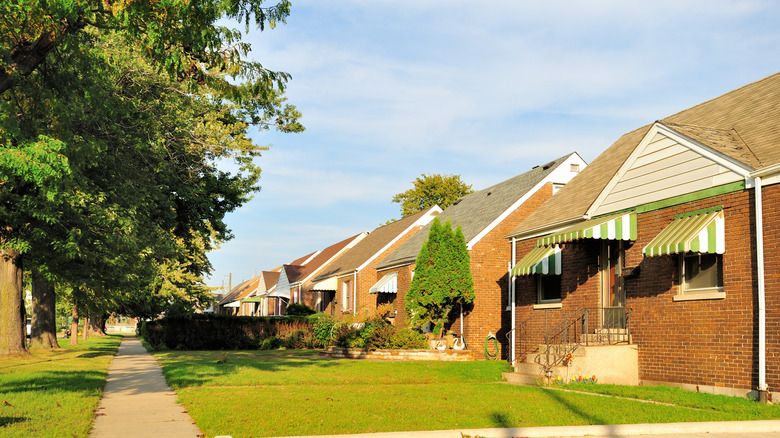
(6, 421)
(56, 381)
(500, 419)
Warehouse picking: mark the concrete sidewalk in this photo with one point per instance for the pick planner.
(762, 429)
(137, 401)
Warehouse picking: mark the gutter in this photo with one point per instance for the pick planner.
(512, 300)
(546, 229)
(762, 387)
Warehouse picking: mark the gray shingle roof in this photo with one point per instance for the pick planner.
(742, 124)
(476, 211)
(369, 246)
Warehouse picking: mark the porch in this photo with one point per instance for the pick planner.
(556, 345)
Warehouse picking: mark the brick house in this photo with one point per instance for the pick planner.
(346, 285)
(257, 302)
(656, 243)
(295, 279)
(230, 304)
(485, 217)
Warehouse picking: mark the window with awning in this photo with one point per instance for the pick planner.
(621, 226)
(701, 231)
(545, 260)
(387, 284)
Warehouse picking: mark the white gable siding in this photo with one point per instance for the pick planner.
(282, 285)
(664, 169)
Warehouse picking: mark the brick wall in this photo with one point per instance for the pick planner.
(490, 259)
(710, 343)
(404, 280)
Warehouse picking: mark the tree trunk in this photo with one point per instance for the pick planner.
(74, 325)
(44, 319)
(85, 331)
(96, 324)
(12, 314)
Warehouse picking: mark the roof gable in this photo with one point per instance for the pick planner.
(740, 125)
(667, 163)
(377, 242)
(482, 210)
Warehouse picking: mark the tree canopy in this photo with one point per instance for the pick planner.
(442, 278)
(430, 190)
(115, 118)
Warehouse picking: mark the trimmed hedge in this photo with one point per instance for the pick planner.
(226, 332)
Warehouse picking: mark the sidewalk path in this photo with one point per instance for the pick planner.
(137, 401)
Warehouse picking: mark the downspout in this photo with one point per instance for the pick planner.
(762, 387)
(299, 294)
(512, 298)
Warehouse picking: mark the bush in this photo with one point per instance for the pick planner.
(323, 328)
(224, 332)
(299, 309)
(408, 339)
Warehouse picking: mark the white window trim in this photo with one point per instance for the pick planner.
(708, 293)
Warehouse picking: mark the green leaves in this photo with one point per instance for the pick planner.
(430, 190)
(442, 277)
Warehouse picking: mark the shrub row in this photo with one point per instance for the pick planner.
(224, 332)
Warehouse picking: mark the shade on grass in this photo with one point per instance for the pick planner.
(300, 393)
(54, 393)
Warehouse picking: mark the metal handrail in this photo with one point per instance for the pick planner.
(560, 332)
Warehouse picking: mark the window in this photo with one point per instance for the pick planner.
(557, 187)
(345, 296)
(702, 273)
(574, 168)
(549, 288)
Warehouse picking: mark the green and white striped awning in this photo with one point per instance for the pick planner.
(620, 226)
(253, 300)
(387, 284)
(700, 231)
(545, 260)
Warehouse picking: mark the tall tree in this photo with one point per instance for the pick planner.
(430, 190)
(109, 168)
(442, 278)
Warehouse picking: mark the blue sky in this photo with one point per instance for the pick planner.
(486, 90)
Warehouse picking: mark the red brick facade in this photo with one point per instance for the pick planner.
(490, 258)
(710, 343)
(366, 278)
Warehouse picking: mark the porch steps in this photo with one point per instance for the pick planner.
(615, 364)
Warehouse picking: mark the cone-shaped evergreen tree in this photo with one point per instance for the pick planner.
(442, 277)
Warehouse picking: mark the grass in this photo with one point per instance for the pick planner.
(271, 393)
(54, 393)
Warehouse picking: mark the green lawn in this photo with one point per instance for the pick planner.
(54, 393)
(267, 393)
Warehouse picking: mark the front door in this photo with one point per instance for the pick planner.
(613, 292)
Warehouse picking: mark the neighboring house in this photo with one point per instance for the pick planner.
(345, 285)
(295, 279)
(231, 303)
(256, 302)
(660, 239)
(269, 305)
(485, 217)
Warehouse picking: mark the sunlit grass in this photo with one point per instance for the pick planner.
(271, 393)
(54, 393)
